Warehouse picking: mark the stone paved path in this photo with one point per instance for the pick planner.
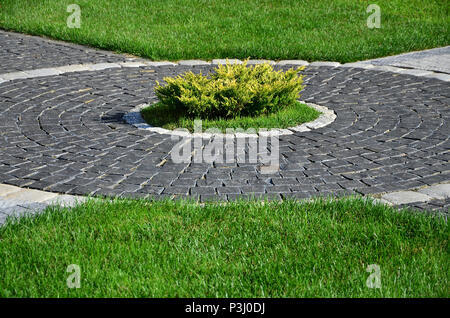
(436, 60)
(20, 52)
(66, 134)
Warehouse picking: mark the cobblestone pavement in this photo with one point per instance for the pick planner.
(436, 206)
(436, 60)
(65, 133)
(20, 52)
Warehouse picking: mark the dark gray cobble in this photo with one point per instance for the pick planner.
(19, 52)
(440, 208)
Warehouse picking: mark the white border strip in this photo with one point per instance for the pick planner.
(52, 71)
(326, 117)
(75, 68)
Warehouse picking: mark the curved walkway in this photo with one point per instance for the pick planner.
(65, 133)
(436, 60)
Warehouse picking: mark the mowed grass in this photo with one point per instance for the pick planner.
(159, 115)
(137, 248)
(284, 29)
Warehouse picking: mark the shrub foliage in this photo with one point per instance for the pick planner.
(232, 90)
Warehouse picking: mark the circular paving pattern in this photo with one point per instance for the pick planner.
(326, 117)
(66, 134)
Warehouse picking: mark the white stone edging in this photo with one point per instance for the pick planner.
(410, 71)
(52, 71)
(13, 197)
(439, 191)
(326, 117)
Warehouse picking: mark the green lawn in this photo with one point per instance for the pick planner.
(160, 115)
(135, 248)
(284, 29)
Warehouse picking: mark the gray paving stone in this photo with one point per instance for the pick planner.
(439, 76)
(358, 65)
(6, 189)
(387, 68)
(405, 197)
(193, 62)
(415, 72)
(14, 76)
(160, 63)
(292, 62)
(34, 207)
(32, 52)
(29, 195)
(270, 169)
(437, 60)
(224, 61)
(333, 64)
(42, 72)
(301, 128)
(322, 121)
(132, 64)
(435, 207)
(103, 66)
(72, 68)
(254, 62)
(440, 191)
(8, 203)
(17, 211)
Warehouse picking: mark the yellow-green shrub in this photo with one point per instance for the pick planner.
(231, 91)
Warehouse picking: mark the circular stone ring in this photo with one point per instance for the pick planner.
(326, 117)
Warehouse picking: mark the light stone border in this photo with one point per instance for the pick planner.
(439, 191)
(14, 195)
(77, 68)
(18, 202)
(52, 71)
(410, 71)
(23, 201)
(326, 117)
